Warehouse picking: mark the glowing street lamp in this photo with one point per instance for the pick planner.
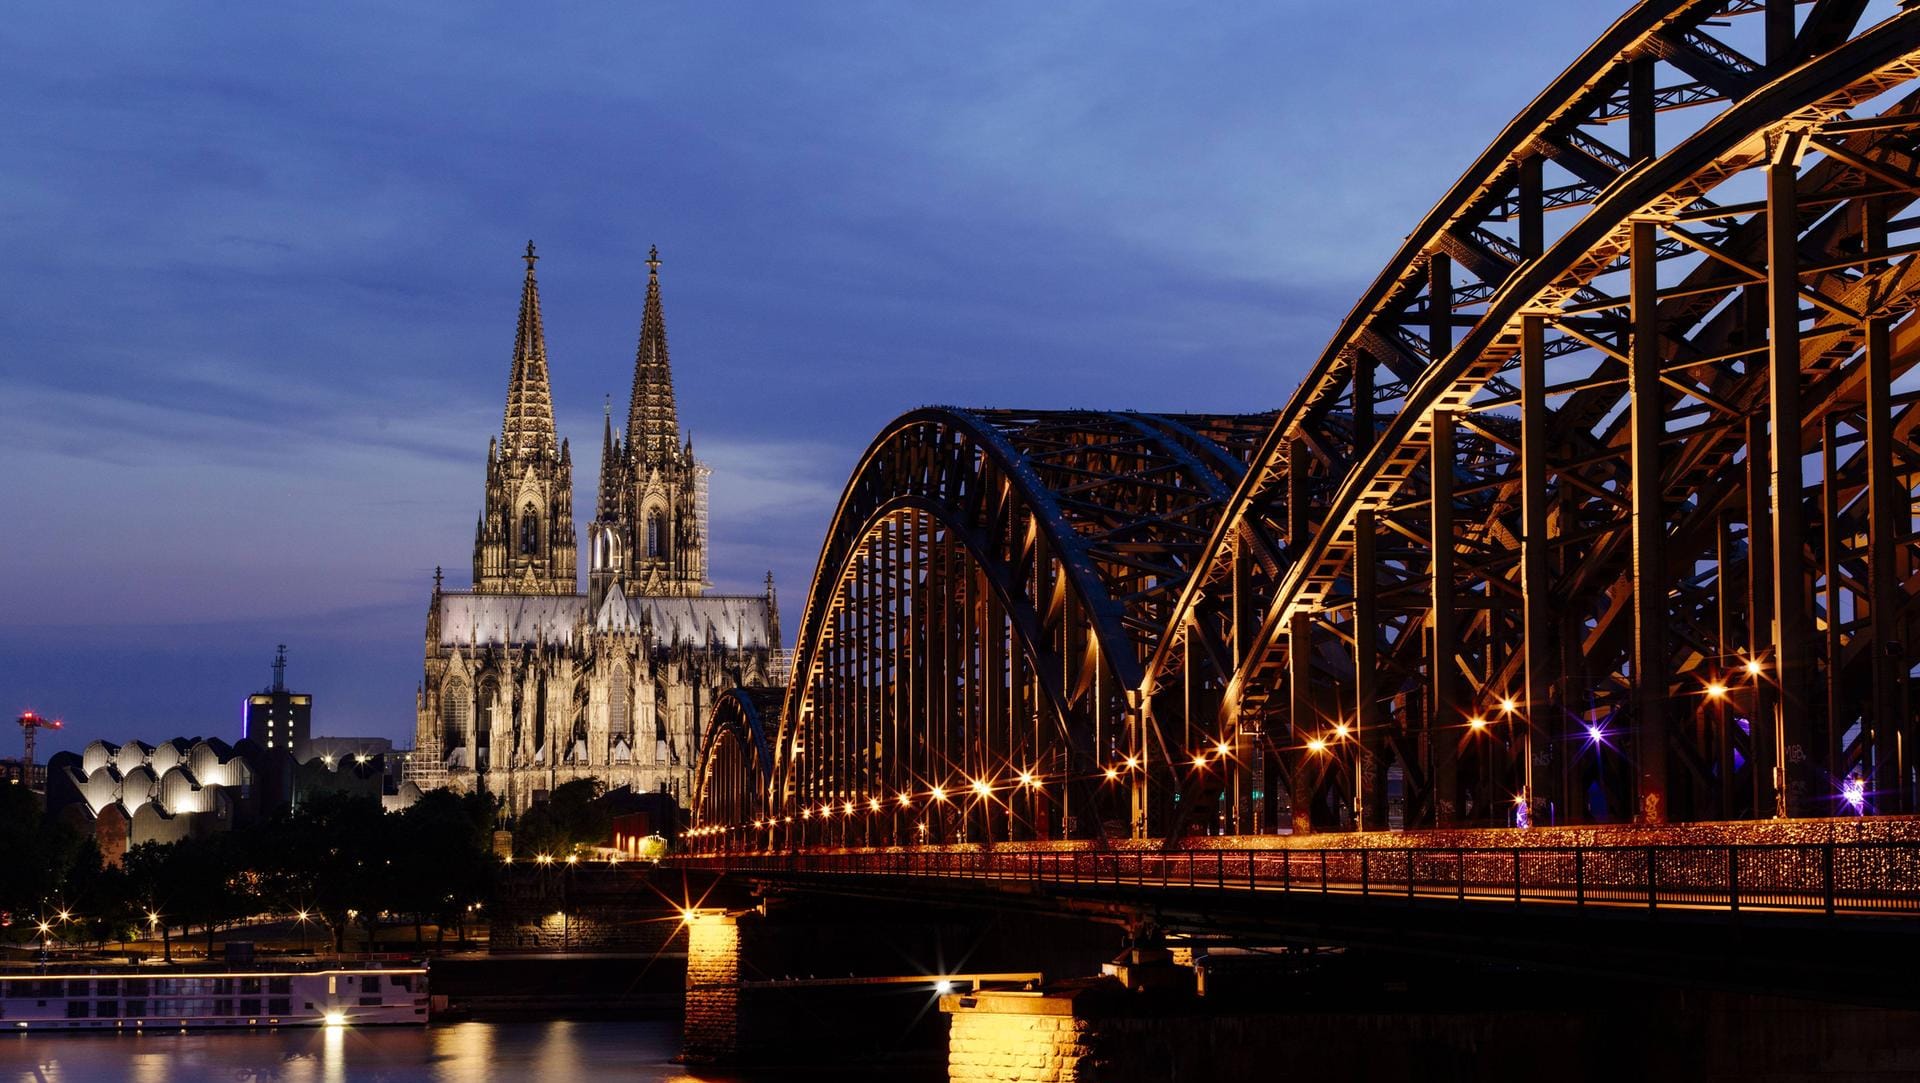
(1223, 748)
(1316, 746)
(1854, 792)
(873, 805)
(1200, 759)
(1476, 723)
(982, 787)
(1716, 690)
(1112, 774)
(938, 793)
(1133, 763)
(906, 799)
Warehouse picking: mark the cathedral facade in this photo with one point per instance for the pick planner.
(530, 683)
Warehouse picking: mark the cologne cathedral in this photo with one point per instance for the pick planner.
(530, 683)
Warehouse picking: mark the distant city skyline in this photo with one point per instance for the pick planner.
(263, 273)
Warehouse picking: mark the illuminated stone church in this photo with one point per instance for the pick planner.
(530, 683)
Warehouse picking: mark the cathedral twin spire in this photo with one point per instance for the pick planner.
(527, 431)
(653, 425)
(649, 530)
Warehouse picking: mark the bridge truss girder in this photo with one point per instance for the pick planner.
(736, 766)
(1612, 349)
(990, 587)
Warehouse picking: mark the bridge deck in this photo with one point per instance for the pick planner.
(1832, 878)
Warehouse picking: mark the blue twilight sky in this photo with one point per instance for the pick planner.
(261, 267)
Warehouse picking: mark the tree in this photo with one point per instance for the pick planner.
(330, 855)
(572, 817)
(44, 864)
(443, 843)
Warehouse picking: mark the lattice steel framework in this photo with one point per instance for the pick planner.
(1598, 506)
(990, 588)
(736, 767)
(1657, 336)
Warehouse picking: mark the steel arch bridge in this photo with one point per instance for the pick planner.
(1598, 506)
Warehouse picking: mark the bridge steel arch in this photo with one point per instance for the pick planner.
(1599, 504)
(736, 768)
(990, 587)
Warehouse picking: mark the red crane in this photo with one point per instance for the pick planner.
(29, 724)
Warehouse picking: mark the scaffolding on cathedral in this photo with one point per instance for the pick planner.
(425, 766)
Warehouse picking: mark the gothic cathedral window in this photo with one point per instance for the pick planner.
(456, 710)
(654, 540)
(529, 532)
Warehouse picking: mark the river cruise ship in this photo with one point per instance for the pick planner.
(137, 998)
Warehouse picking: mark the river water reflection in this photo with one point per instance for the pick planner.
(524, 1052)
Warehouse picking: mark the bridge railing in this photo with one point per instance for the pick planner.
(1831, 877)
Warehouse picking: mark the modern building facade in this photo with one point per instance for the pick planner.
(129, 794)
(277, 718)
(529, 682)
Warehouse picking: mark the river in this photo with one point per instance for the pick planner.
(471, 1052)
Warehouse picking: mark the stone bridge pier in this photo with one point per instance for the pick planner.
(812, 979)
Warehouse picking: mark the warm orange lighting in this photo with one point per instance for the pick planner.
(1200, 759)
(1223, 748)
(1507, 704)
(1133, 763)
(937, 793)
(1754, 668)
(573, 859)
(1716, 690)
(873, 804)
(1026, 778)
(688, 915)
(1477, 723)
(847, 809)
(981, 787)
(906, 800)
(1340, 730)
(1316, 745)
(806, 813)
(545, 859)
(1112, 774)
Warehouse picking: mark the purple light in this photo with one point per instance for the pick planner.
(1854, 792)
(1596, 734)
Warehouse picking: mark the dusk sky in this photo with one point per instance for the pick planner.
(262, 267)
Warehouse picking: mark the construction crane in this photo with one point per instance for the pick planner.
(30, 725)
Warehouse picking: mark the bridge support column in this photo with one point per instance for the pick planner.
(1792, 616)
(712, 1027)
